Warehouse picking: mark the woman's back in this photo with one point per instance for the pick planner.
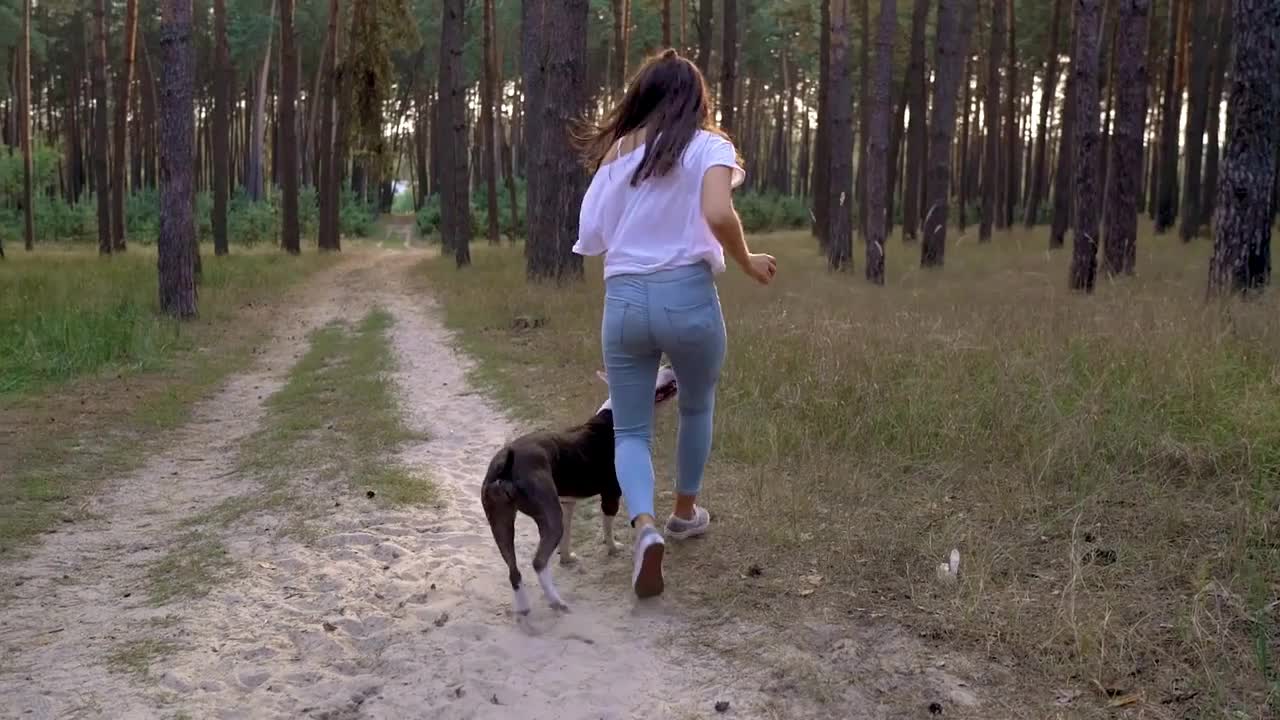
(656, 224)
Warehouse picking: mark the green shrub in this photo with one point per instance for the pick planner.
(355, 216)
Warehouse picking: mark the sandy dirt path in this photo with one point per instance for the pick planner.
(383, 613)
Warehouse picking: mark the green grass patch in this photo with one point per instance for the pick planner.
(90, 376)
(191, 568)
(64, 315)
(1108, 466)
(137, 656)
(336, 418)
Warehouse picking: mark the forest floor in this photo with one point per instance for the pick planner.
(311, 544)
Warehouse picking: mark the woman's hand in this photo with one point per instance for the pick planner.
(761, 267)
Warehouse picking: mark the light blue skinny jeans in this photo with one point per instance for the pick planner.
(676, 312)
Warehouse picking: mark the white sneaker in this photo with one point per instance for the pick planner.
(647, 577)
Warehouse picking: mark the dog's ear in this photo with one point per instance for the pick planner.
(603, 377)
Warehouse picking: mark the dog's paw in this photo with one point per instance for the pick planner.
(613, 547)
(559, 606)
(568, 559)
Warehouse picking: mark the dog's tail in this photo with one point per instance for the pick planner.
(498, 484)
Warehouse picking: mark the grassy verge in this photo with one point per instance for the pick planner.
(336, 421)
(89, 374)
(1109, 467)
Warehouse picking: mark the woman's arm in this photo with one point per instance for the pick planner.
(726, 226)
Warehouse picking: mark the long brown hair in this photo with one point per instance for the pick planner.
(668, 97)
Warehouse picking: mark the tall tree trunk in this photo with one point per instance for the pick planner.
(839, 121)
(1039, 174)
(254, 173)
(451, 129)
(955, 25)
(329, 194)
(1064, 173)
(177, 243)
(966, 157)
(1012, 134)
(1167, 201)
(287, 151)
(151, 149)
(124, 83)
(917, 128)
(705, 18)
(864, 110)
(991, 114)
(729, 66)
(489, 90)
(1202, 38)
(222, 81)
(1132, 80)
(555, 72)
(1088, 178)
(1246, 194)
(621, 44)
(878, 142)
(819, 187)
(101, 150)
(24, 133)
(666, 24)
(1221, 59)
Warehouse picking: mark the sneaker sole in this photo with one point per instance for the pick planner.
(649, 582)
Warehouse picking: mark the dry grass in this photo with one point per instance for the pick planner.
(1108, 466)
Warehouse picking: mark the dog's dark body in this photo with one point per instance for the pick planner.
(543, 474)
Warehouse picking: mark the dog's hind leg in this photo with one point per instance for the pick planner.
(550, 530)
(567, 556)
(502, 520)
(608, 511)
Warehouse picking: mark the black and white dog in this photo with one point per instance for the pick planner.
(543, 475)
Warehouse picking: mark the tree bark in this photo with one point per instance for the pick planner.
(955, 25)
(864, 109)
(1132, 81)
(1039, 175)
(819, 186)
(1088, 178)
(839, 121)
(101, 149)
(991, 113)
(621, 43)
(254, 175)
(666, 24)
(1241, 259)
(1167, 200)
(1064, 172)
(177, 243)
(290, 239)
(1202, 38)
(555, 58)
(966, 157)
(878, 142)
(729, 66)
(489, 91)
(1012, 135)
(1222, 58)
(222, 80)
(451, 139)
(917, 127)
(329, 192)
(705, 18)
(124, 84)
(24, 133)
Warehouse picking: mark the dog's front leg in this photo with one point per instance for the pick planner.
(567, 556)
